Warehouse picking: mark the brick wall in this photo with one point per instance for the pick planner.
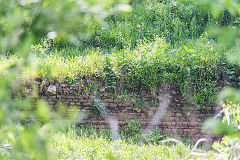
(180, 118)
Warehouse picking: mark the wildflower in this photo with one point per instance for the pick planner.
(223, 105)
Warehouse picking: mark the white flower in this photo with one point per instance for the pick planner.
(51, 35)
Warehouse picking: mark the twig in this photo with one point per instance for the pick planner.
(219, 114)
(232, 150)
(195, 147)
(202, 154)
(172, 140)
(209, 154)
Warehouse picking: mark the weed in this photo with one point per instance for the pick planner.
(132, 131)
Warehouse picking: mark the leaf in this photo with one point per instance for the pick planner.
(230, 94)
(217, 127)
(43, 111)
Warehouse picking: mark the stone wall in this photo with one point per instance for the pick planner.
(181, 118)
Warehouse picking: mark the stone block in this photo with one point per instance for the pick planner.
(78, 103)
(152, 109)
(150, 114)
(108, 100)
(168, 123)
(193, 124)
(167, 130)
(112, 105)
(179, 114)
(105, 94)
(185, 124)
(82, 100)
(75, 100)
(63, 85)
(120, 104)
(127, 104)
(87, 104)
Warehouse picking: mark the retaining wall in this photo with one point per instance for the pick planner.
(181, 117)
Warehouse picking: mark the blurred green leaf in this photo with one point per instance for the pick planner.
(230, 94)
(43, 111)
(217, 127)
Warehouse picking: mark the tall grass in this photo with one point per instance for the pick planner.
(177, 21)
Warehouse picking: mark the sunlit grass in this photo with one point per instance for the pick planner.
(99, 148)
(65, 141)
(72, 64)
(70, 145)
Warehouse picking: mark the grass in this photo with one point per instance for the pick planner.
(67, 142)
(99, 148)
(178, 21)
(63, 140)
(60, 65)
(90, 144)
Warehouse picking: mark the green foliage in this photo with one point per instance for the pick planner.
(132, 130)
(228, 147)
(194, 65)
(228, 37)
(109, 75)
(177, 21)
(89, 143)
(228, 126)
(198, 68)
(155, 136)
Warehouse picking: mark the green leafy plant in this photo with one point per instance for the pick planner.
(132, 131)
(109, 75)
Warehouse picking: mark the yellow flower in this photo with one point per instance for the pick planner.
(223, 105)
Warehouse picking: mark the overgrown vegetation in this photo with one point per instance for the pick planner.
(167, 43)
(158, 41)
(199, 68)
(177, 21)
